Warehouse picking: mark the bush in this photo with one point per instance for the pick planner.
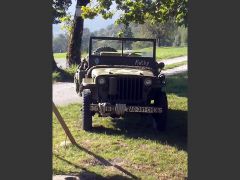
(71, 70)
(56, 76)
(65, 75)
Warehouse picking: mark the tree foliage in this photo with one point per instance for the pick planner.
(140, 11)
(59, 8)
(163, 32)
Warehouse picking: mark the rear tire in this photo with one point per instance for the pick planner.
(86, 113)
(160, 120)
(104, 48)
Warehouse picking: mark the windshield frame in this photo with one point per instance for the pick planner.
(122, 43)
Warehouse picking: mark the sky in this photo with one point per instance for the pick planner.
(93, 24)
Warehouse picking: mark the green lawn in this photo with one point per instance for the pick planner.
(132, 144)
(63, 55)
(59, 55)
(161, 52)
(170, 52)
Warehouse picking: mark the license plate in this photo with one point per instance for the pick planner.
(140, 109)
(144, 109)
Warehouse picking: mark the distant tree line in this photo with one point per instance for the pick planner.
(166, 34)
(60, 42)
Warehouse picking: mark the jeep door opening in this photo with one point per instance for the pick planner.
(121, 76)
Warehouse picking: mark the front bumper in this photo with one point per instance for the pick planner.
(120, 109)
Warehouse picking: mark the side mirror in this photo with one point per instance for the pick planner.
(161, 65)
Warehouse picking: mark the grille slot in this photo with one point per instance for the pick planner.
(129, 90)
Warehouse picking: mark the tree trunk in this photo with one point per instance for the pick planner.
(74, 48)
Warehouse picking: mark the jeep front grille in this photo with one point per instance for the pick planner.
(129, 90)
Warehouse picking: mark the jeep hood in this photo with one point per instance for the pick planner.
(121, 71)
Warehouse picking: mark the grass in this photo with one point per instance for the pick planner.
(171, 66)
(130, 143)
(161, 52)
(177, 85)
(170, 52)
(56, 76)
(63, 55)
(59, 55)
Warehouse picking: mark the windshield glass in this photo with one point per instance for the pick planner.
(128, 48)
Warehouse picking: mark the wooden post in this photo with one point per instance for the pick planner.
(63, 124)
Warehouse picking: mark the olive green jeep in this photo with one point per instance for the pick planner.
(121, 76)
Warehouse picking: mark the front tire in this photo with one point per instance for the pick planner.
(86, 113)
(160, 120)
(77, 87)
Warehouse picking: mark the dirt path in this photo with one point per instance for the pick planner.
(174, 60)
(176, 70)
(61, 63)
(64, 92)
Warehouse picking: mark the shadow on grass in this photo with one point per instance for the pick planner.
(134, 128)
(177, 84)
(86, 174)
(175, 135)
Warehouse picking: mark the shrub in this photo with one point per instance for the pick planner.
(56, 76)
(71, 70)
(65, 75)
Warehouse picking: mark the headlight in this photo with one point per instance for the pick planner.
(101, 81)
(161, 77)
(148, 82)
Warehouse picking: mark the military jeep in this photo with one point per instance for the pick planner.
(121, 76)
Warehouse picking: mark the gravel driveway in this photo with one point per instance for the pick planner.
(61, 63)
(64, 92)
(174, 60)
